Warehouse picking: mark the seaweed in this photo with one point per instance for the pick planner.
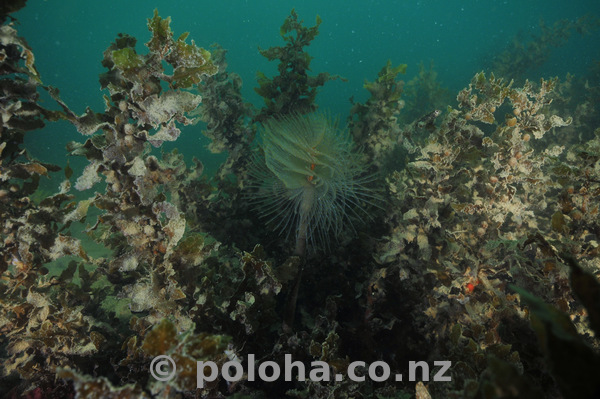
(486, 196)
(135, 202)
(216, 204)
(572, 361)
(374, 125)
(40, 317)
(525, 53)
(293, 90)
(10, 6)
(463, 213)
(424, 92)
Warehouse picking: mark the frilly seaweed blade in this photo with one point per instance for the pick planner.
(163, 273)
(139, 112)
(39, 327)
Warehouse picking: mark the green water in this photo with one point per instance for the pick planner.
(356, 39)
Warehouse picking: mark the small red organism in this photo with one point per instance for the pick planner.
(470, 287)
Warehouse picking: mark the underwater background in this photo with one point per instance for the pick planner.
(346, 181)
(68, 38)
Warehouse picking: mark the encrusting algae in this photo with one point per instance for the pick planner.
(481, 249)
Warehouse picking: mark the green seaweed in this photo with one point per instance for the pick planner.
(190, 63)
(424, 92)
(126, 58)
(386, 79)
(293, 90)
(161, 33)
(527, 51)
(374, 124)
